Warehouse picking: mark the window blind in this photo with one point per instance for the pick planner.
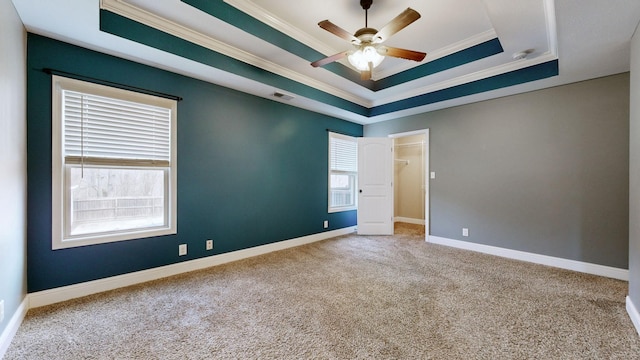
(106, 130)
(343, 153)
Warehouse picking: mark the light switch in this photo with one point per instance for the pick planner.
(433, 175)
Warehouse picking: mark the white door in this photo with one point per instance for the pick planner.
(375, 188)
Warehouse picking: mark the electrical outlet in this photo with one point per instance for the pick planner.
(465, 232)
(326, 224)
(209, 244)
(182, 249)
(1, 310)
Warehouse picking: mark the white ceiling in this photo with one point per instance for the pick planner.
(589, 38)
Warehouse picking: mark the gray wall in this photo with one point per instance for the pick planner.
(12, 161)
(634, 174)
(544, 172)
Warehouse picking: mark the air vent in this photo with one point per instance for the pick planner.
(522, 54)
(282, 96)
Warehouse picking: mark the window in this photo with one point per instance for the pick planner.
(114, 164)
(343, 172)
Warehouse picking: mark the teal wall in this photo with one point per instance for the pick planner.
(251, 171)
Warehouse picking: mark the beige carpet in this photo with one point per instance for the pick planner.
(351, 297)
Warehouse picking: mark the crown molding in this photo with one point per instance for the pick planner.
(552, 30)
(550, 55)
(122, 8)
(467, 78)
(441, 52)
(267, 17)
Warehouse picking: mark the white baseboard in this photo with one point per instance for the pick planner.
(47, 297)
(408, 220)
(594, 269)
(633, 314)
(12, 327)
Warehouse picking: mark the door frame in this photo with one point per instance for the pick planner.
(427, 214)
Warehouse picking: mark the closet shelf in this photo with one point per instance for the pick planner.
(419, 143)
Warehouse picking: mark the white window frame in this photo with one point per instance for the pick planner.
(60, 194)
(352, 173)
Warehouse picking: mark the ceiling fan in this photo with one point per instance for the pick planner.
(368, 50)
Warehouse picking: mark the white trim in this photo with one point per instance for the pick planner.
(588, 268)
(427, 194)
(61, 238)
(408, 133)
(122, 8)
(47, 297)
(427, 183)
(408, 220)
(436, 54)
(347, 138)
(633, 314)
(468, 78)
(267, 17)
(552, 29)
(12, 327)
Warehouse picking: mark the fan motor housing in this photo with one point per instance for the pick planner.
(365, 34)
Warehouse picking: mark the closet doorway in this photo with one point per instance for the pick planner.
(411, 181)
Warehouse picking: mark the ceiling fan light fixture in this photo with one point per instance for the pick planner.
(368, 52)
(361, 58)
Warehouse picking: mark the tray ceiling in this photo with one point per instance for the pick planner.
(265, 47)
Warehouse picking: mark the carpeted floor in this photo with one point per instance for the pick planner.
(352, 297)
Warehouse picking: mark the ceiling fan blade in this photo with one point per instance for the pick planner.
(338, 31)
(330, 59)
(366, 74)
(401, 53)
(398, 23)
